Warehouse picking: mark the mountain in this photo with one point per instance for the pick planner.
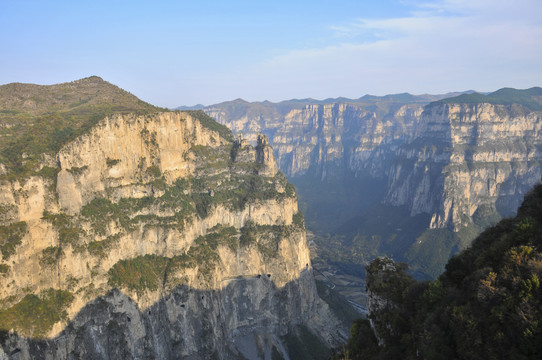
(147, 234)
(486, 305)
(36, 120)
(413, 177)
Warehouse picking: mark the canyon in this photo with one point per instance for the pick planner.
(132, 231)
(449, 165)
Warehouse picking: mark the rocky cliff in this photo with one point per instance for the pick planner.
(486, 157)
(321, 137)
(463, 162)
(146, 237)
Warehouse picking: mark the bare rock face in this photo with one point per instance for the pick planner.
(242, 151)
(120, 150)
(456, 166)
(479, 157)
(452, 161)
(157, 239)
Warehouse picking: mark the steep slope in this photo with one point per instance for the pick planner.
(486, 305)
(452, 166)
(155, 236)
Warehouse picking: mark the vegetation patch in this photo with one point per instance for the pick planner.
(35, 315)
(101, 211)
(10, 237)
(4, 268)
(139, 274)
(248, 234)
(298, 219)
(220, 235)
(5, 211)
(203, 254)
(101, 248)
(68, 234)
(50, 256)
(49, 172)
(154, 171)
(266, 237)
(111, 162)
(77, 171)
(159, 184)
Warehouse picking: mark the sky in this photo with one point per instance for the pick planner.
(173, 53)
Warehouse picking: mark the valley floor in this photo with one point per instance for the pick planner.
(350, 287)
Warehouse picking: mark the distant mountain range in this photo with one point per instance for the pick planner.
(397, 98)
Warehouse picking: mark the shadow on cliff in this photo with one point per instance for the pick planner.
(248, 318)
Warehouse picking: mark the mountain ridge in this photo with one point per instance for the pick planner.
(400, 97)
(530, 98)
(36, 120)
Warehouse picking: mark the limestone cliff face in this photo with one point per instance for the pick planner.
(154, 242)
(322, 138)
(468, 158)
(452, 161)
(262, 154)
(117, 153)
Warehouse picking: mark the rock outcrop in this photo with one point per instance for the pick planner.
(265, 157)
(155, 239)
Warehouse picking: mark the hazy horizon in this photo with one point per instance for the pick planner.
(174, 53)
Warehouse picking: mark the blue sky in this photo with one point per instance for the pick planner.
(173, 53)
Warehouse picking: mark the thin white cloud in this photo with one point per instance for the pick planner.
(442, 46)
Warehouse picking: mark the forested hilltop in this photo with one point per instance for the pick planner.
(486, 305)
